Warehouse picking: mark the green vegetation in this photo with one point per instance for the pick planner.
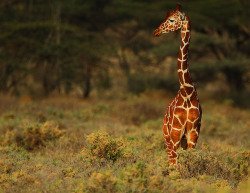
(116, 145)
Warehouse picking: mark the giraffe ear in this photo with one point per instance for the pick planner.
(177, 8)
(182, 16)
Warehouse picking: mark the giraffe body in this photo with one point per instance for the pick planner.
(182, 121)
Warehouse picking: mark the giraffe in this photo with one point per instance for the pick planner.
(182, 121)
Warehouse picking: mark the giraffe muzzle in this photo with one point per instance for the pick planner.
(157, 32)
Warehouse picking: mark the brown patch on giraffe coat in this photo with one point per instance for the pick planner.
(183, 119)
(185, 104)
(187, 37)
(180, 111)
(193, 114)
(180, 74)
(196, 123)
(198, 126)
(189, 126)
(187, 78)
(189, 103)
(172, 156)
(182, 115)
(185, 48)
(182, 44)
(175, 136)
(189, 90)
(185, 57)
(180, 55)
(177, 124)
(194, 100)
(180, 102)
(182, 35)
(184, 65)
(183, 92)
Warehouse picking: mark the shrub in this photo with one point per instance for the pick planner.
(102, 146)
(239, 165)
(36, 135)
(23, 177)
(134, 177)
(99, 182)
(197, 162)
(33, 136)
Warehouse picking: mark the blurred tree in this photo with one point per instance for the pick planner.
(63, 45)
(54, 36)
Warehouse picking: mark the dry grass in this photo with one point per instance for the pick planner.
(116, 145)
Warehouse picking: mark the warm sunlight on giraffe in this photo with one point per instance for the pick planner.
(183, 117)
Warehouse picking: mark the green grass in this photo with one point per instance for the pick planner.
(116, 145)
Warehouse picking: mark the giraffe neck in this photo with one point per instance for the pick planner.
(186, 83)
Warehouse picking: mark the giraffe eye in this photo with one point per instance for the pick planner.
(171, 20)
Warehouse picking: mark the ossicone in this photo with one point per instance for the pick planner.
(177, 8)
(168, 14)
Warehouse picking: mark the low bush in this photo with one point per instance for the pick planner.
(101, 182)
(32, 136)
(197, 162)
(102, 146)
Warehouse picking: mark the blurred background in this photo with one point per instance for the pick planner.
(88, 48)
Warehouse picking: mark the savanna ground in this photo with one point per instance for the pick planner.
(116, 145)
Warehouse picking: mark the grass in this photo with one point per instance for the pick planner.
(116, 145)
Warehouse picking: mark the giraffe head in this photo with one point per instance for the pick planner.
(173, 21)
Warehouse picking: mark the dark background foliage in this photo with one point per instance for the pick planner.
(78, 47)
